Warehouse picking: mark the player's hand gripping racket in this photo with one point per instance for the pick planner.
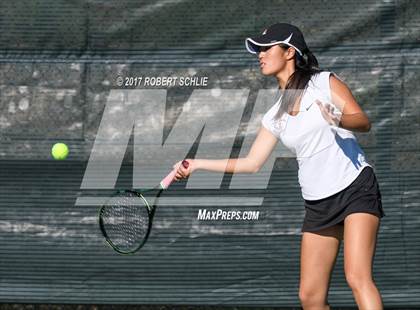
(126, 218)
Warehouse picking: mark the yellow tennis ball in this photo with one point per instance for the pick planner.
(60, 151)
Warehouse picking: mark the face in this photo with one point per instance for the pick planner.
(273, 59)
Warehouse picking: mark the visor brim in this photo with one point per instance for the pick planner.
(253, 44)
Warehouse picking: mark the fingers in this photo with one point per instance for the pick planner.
(327, 112)
(178, 177)
(323, 109)
(179, 174)
(182, 170)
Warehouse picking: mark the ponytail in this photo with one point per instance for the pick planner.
(298, 81)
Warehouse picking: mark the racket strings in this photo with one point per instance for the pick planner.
(126, 221)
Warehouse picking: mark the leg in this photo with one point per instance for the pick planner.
(318, 254)
(360, 230)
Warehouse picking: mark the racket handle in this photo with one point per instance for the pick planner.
(164, 184)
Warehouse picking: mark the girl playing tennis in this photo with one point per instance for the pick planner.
(341, 194)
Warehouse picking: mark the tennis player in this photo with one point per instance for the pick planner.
(314, 117)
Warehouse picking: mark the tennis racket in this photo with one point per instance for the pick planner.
(126, 218)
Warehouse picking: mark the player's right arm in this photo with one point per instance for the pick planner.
(260, 150)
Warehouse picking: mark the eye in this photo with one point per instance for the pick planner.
(265, 48)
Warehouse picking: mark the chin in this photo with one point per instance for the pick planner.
(267, 73)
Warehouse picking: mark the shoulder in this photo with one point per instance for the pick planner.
(325, 83)
(331, 81)
(331, 78)
(326, 75)
(321, 79)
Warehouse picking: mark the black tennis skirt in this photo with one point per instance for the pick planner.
(362, 195)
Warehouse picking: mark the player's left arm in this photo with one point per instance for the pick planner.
(352, 117)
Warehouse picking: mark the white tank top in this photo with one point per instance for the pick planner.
(329, 157)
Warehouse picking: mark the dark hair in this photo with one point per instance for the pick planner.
(298, 81)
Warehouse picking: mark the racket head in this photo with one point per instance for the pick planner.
(125, 221)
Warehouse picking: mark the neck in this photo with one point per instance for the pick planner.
(283, 76)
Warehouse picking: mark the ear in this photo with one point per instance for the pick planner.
(290, 53)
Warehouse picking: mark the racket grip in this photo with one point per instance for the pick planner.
(164, 184)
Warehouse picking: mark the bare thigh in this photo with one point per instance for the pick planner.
(359, 247)
(319, 251)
